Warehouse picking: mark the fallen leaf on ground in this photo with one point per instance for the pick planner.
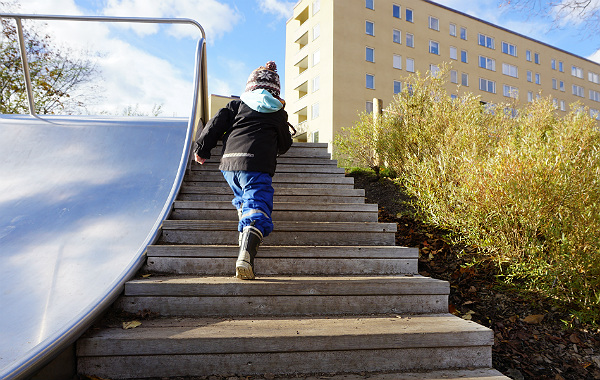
(574, 338)
(131, 325)
(534, 319)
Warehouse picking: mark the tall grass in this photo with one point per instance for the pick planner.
(524, 188)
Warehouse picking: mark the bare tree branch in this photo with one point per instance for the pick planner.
(583, 14)
(55, 73)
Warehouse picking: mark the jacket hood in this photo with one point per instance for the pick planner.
(262, 101)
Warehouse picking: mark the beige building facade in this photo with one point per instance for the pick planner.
(341, 54)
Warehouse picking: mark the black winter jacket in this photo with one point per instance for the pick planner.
(252, 140)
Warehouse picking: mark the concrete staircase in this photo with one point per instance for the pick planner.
(333, 294)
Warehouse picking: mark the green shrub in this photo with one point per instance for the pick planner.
(524, 188)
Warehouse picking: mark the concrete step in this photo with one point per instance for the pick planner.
(215, 260)
(282, 211)
(300, 177)
(313, 187)
(281, 168)
(449, 374)
(277, 296)
(285, 233)
(282, 194)
(203, 347)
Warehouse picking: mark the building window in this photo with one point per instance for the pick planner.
(536, 58)
(370, 28)
(397, 87)
(561, 86)
(396, 11)
(560, 67)
(486, 41)
(509, 49)
(370, 54)
(463, 56)
(314, 111)
(593, 77)
(409, 15)
(562, 105)
(553, 64)
(434, 70)
(464, 80)
(397, 36)
(528, 55)
(370, 79)
(316, 57)
(434, 47)
(397, 62)
(510, 91)
(453, 30)
(317, 6)
(410, 40)
(453, 76)
(314, 136)
(487, 63)
(453, 53)
(316, 83)
(578, 91)
(316, 31)
(369, 107)
(410, 65)
(463, 33)
(538, 79)
(434, 23)
(595, 96)
(487, 85)
(369, 4)
(577, 71)
(529, 76)
(529, 96)
(595, 114)
(510, 70)
(555, 103)
(554, 84)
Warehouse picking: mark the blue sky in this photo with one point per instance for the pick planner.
(148, 65)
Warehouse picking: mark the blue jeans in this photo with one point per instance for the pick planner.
(253, 194)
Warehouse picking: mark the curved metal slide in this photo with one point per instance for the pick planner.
(80, 200)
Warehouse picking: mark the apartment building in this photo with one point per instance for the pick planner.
(341, 54)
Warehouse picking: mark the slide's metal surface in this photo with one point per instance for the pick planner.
(80, 198)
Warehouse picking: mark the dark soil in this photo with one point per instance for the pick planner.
(531, 338)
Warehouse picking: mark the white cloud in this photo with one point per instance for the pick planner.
(235, 82)
(595, 57)
(216, 18)
(129, 74)
(280, 8)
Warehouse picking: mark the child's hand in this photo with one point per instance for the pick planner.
(199, 159)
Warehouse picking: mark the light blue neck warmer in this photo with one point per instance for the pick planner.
(261, 100)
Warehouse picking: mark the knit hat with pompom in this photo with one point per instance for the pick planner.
(265, 77)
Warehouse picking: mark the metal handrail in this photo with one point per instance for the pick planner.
(198, 117)
(146, 20)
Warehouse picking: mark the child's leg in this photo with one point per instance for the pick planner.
(236, 187)
(257, 201)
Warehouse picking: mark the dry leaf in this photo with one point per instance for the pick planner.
(452, 309)
(534, 319)
(146, 275)
(468, 315)
(574, 338)
(131, 325)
